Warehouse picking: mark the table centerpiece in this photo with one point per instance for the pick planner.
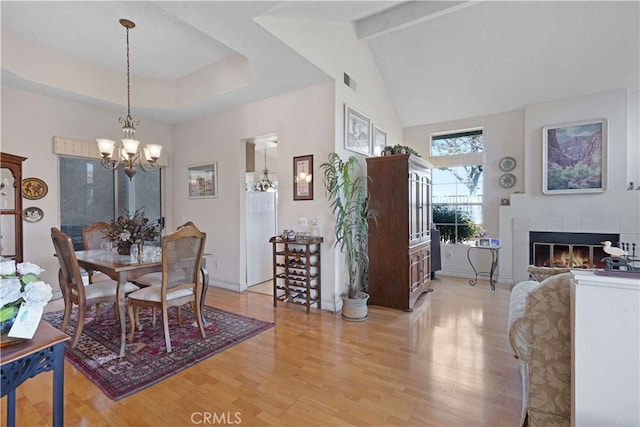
(131, 229)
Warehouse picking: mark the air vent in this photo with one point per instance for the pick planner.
(349, 81)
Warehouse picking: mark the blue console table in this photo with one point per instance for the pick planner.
(19, 362)
(495, 250)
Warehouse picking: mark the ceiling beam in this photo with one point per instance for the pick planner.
(404, 16)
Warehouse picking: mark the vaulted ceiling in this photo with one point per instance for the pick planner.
(441, 60)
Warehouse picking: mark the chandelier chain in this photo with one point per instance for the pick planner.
(128, 79)
(129, 152)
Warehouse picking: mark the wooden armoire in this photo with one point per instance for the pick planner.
(399, 243)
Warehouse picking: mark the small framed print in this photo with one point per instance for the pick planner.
(379, 140)
(303, 177)
(203, 181)
(484, 242)
(357, 129)
(495, 242)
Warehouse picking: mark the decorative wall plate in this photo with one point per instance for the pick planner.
(34, 188)
(507, 180)
(507, 164)
(32, 214)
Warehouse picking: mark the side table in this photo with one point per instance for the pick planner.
(494, 250)
(19, 362)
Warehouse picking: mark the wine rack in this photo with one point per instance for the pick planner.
(296, 271)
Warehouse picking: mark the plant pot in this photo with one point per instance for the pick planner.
(355, 309)
(9, 314)
(124, 249)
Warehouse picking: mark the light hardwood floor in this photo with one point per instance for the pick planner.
(448, 363)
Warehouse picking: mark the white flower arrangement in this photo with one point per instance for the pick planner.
(21, 284)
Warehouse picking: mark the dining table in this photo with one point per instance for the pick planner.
(126, 268)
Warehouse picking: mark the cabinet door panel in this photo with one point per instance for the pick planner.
(11, 245)
(415, 208)
(415, 270)
(7, 190)
(425, 206)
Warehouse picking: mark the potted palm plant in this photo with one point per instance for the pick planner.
(345, 186)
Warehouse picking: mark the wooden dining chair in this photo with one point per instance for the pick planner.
(181, 260)
(74, 290)
(155, 279)
(92, 237)
(94, 234)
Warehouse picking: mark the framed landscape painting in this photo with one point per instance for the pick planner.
(203, 181)
(574, 157)
(357, 129)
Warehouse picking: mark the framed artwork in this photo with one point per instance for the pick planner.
(574, 157)
(357, 129)
(379, 140)
(303, 177)
(484, 242)
(203, 181)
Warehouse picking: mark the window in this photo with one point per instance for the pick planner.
(88, 194)
(457, 184)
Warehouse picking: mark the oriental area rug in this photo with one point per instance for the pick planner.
(146, 361)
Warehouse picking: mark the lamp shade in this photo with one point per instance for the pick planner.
(152, 151)
(130, 146)
(106, 147)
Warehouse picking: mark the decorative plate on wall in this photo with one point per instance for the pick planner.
(507, 180)
(32, 214)
(34, 188)
(507, 164)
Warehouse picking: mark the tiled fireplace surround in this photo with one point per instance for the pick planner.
(522, 226)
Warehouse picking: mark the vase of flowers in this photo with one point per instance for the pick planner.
(131, 229)
(19, 284)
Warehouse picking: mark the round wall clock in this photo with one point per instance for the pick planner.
(507, 180)
(507, 164)
(34, 188)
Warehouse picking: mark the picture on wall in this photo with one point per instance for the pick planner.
(203, 181)
(379, 140)
(357, 128)
(303, 177)
(574, 157)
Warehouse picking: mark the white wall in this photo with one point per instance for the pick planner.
(503, 136)
(519, 134)
(304, 123)
(333, 47)
(616, 210)
(29, 123)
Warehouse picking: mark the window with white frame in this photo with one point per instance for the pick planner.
(457, 183)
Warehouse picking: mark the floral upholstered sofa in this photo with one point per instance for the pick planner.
(540, 335)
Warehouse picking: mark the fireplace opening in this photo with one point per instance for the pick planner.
(568, 250)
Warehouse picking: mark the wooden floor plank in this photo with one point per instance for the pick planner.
(447, 363)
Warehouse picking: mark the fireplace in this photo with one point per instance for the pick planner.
(568, 250)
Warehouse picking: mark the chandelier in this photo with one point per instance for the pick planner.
(266, 184)
(128, 151)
